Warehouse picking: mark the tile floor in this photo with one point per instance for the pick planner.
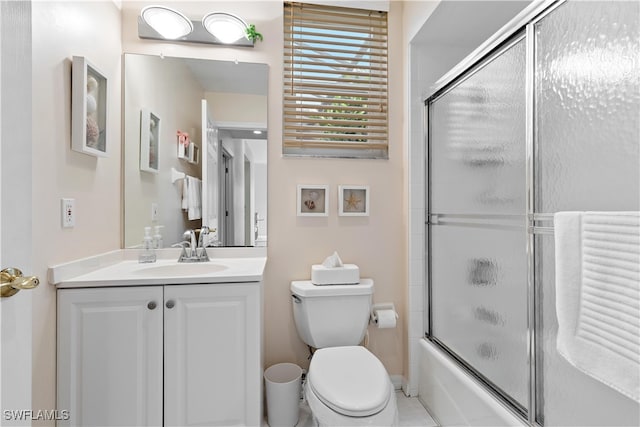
(411, 412)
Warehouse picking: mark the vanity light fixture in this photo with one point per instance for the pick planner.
(226, 27)
(169, 23)
(221, 28)
(257, 132)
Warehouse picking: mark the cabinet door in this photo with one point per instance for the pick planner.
(212, 355)
(110, 356)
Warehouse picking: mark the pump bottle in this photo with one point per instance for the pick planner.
(148, 253)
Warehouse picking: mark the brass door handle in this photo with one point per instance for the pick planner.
(12, 281)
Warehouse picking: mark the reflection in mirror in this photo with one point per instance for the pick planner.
(211, 150)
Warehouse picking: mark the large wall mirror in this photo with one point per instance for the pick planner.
(195, 149)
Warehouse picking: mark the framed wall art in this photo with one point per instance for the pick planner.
(149, 141)
(194, 153)
(88, 108)
(313, 200)
(183, 145)
(353, 200)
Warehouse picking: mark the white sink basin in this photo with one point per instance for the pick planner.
(181, 269)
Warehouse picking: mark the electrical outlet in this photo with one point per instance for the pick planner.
(68, 207)
(154, 211)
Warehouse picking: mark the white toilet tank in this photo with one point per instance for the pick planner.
(331, 315)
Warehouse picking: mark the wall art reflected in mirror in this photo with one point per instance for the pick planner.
(211, 163)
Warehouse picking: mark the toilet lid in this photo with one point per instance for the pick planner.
(349, 380)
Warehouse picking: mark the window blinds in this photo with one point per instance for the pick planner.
(335, 81)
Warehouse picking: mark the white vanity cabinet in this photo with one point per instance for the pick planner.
(212, 357)
(173, 355)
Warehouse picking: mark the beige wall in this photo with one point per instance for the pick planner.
(237, 107)
(376, 243)
(60, 31)
(415, 13)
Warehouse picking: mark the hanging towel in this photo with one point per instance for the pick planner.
(598, 295)
(194, 198)
(185, 193)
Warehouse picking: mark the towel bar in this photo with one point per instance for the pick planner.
(541, 217)
(540, 230)
(175, 175)
(493, 221)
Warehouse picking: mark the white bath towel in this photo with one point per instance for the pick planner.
(194, 198)
(185, 193)
(598, 295)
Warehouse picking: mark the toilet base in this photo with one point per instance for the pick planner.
(327, 417)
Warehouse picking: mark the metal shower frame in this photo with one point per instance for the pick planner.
(519, 28)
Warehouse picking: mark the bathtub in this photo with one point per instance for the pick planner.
(453, 397)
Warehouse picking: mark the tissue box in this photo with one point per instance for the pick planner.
(348, 274)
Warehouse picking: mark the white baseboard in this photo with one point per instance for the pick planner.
(397, 381)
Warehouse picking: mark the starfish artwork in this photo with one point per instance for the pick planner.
(352, 202)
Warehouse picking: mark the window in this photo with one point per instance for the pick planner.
(335, 82)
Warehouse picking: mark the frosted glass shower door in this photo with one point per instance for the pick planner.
(477, 221)
(587, 121)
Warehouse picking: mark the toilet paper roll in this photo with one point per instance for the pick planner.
(386, 318)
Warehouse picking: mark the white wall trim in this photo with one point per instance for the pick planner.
(397, 381)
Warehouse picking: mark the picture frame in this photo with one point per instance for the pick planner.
(353, 200)
(194, 153)
(313, 200)
(149, 141)
(183, 145)
(88, 108)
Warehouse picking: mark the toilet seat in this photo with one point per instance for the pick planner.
(350, 380)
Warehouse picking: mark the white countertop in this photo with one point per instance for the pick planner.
(121, 268)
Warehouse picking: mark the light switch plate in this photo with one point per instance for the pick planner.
(154, 211)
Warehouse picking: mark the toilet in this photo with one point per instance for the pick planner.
(346, 384)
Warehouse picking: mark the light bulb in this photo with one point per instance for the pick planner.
(225, 27)
(169, 23)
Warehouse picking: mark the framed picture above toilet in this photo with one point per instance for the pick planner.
(353, 200)
(313, 200)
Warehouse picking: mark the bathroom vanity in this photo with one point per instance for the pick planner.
(167, 343)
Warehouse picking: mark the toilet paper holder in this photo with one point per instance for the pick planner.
(382, 306)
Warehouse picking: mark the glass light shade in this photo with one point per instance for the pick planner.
(225, 27)
(169, 23)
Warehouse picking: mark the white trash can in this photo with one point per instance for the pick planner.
(283, 383)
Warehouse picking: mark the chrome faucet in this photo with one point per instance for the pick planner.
(194, 250)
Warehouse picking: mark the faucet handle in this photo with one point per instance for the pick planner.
(204, 231)
(184, 253)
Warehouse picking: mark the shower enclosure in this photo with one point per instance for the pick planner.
(544, 118)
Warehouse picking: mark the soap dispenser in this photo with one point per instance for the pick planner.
(148, 253)
(157, 237)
